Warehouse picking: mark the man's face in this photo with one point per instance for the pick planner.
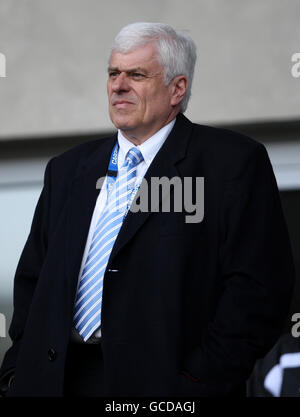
(139, 102)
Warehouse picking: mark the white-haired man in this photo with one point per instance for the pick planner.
(111, 301)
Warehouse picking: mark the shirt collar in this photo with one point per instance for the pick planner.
(149, 148)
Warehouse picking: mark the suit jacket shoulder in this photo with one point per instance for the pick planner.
(68, 160)
(231, 155)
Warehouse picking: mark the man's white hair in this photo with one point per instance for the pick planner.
(176, 50)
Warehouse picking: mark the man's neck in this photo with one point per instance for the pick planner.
(137, 138)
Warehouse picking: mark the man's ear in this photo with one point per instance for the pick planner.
(179, 87)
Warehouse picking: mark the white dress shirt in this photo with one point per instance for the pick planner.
(149, 149)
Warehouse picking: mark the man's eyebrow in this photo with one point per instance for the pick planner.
(129, 70)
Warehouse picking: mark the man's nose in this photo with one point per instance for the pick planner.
(120, 83)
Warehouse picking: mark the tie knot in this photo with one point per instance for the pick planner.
(133, 158)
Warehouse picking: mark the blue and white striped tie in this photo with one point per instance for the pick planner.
(88, 302)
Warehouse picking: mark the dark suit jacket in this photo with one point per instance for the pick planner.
(209, 298)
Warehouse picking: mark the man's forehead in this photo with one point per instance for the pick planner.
(129, 69)
(141, 57)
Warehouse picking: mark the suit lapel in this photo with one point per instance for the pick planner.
(172, 151)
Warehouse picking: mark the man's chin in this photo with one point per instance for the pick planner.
(123, 124)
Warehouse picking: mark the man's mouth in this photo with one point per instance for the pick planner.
(121, 104)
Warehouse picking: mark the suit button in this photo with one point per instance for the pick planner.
(52, 354)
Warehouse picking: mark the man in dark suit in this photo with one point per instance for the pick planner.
(125, 302)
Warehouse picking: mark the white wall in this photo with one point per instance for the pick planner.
(56, 54)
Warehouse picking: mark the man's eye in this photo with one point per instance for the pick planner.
(113, 74)
(137, 75)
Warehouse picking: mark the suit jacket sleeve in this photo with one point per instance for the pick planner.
(27, 273)
(257, 273)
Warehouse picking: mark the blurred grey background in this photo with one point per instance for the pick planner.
(54, 93)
